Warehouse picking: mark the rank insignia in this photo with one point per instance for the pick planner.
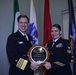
(68, 47)
(69, 51)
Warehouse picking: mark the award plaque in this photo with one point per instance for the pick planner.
(38, 53)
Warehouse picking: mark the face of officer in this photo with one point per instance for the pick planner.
(55, 32)
(23, 24)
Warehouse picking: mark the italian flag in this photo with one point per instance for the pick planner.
(16, 14)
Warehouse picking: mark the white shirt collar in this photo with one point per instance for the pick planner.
(55, 39)
(22, 33)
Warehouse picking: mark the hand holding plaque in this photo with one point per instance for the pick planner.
(38, 53)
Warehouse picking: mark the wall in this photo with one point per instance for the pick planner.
(6, 21)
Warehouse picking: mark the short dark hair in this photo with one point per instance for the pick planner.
(58, 26)
(22, 16)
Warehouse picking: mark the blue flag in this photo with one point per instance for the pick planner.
(72, 33)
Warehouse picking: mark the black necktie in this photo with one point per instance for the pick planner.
(26, 37)
(53, 43)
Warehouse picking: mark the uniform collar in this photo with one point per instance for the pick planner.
(22, 33)
(55, 39)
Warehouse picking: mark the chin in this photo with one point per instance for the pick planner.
(23, 31)
(54, 38)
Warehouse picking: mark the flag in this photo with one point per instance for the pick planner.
(72, 33)
(47, 26)
(47, 23)
(33, 24)
(33, 28)
(16, 14)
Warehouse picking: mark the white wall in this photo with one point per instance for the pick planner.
(6, 21)
(65, 20)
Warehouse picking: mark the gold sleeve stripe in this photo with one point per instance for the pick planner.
(59, 63)
(24, 64)
(21, 63)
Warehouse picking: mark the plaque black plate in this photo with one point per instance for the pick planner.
(38, 53)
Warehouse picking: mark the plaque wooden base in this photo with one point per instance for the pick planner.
(38, 53)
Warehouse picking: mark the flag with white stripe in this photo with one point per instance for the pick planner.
(16, 14)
